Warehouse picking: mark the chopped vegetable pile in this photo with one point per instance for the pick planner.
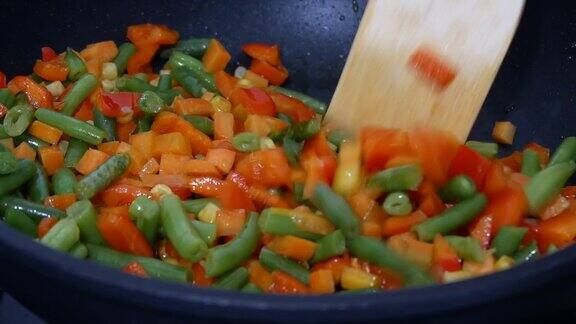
(197, 176)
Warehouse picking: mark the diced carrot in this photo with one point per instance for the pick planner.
(230, 222)
(269, 168)
(45, 225)
(293, 247)
(373, 229)
(124, 130)
(283, 283)
(206, 186)
(173, 163)
(136, 269)
(222, 159)
(52, 158)
(94, 66)
(259, 276)
(143, 34)
(103, 51)
(122, 194)
(481, 229)
(223, 125)
(256, 80)
(199, 142)
(121, 233)
(276, 75)
(192, 106)
(335, 265)
(200, 278)
(143, 142)
(91, 160)
(25, 151)
(150, 167)
(223, 144)
(231, 196)
(84, 113)
(322, 282)
(257, 124)
(164, 122)
(171, 143)
(444, 257)
(432, 67)
(435, 149)
(171, 180)
(412, 249)
(199, 168)
(264, 52)
(109, 148)
(61, 202)
(140, 61)
(431, 205)
(402, 224)
(366, 207)
(225, 83)
(216, 57)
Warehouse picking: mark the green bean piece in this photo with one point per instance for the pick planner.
(18, 119)
(85, 215)
(529, 252)
(206, 231)
(451, 219)
(299, 192)
(150, 102)
(336, 137)
(79, 251)
(64, 181)
(164, 82)
(21, 222)
(62, 236)
(273, 261)
(8, 162)
(76, 66)
(71, 126)
(154, 267)
(330, 245)
(103, 176)
(179, 231)
(144, 123)
(7, 99)
(233, 280)
(457, 189)
(202, 123)
(565, 152)
(38, 186)
(141, 76)
(246, 142)
(397, 204)
(125, 51)
(185, 77)
(146, 212)
(292, 149)
(546, 184)
(195, 47)
(304, 130)
(358, 291)
(75, 151)
(108, 125)
(487, 149)
(3, 133)
(34, 142)
(223, 258)
(285, 118)
(508, 240)
(251, 288)
(29, 208)
(467, 247)
(318, 106)
(274, 221)
(196, 205)
(530, 163)
(35, 77)
(400, 178)
(80, 91)
(178, 59)
(25, 170)
(337, 210)
(376, 252)
(21, 99)
(133, 84)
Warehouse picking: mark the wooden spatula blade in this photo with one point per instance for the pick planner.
(380, 84)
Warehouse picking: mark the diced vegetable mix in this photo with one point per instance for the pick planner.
(197, 176)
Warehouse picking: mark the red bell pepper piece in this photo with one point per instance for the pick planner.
(559, 230)
(233, 197)
(122, 194)
(471, 163)
(380, 144)
(121, 233)
(432, 67)
(264, 52)
(2, 80)
(48, 54)
(135, 268)
(292, 107)
(481, 229)
(117, 104)
(255, 101)
(444, 257)
(269, 168)
(276, 75)
(206, 186)
(38, 95)
(508, 207)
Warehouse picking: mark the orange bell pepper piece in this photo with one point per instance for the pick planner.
(264, 52)
(543, 152)
(283, 283)
(444, 256)
(200, 278)
(380, 144)
(60, 201)
(402, 224)
(269, 168)
(48, 54)
(225, 83)
(122, 195)
(55, 70)
(255, 101)
(435, 149)
(198, 141)
(230, 222)
(206, 186)
(199, 168)
(276, 75)
(216, 57)
(52, 158)
(231, 196)
(481, 229)
(152, 34)
(37, 95)
(412, 249)
(173, 163)
(496, 180)
(140, 61)
(104, 51)
(45, 225)
(507, 207)
(124, 130)
(45, 132)
(293, 247)
(292, 107)
(559, 230)
(222, 159)
(90, 161)
(120, 233)
(171, 143)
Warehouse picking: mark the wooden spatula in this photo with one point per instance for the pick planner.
(423, 63)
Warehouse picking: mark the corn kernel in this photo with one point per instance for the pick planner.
(244, 83)
(208, 96)
(221, 104)
(109, 71)
(154, 82)
(454, 276)
(353, 278)
(109, 85)
(160, 190)
(56, 88)
(504, 263)
(348, 176)
(504, 132)
(165, 72)
(267, 143)
(208, 213)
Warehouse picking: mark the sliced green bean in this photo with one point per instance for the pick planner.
(246, 142)
(251, 288)
(79, 251)
(318, 106)
(103, 176)
(565, 152)
(451, 219)
(38, 186)
(76, 66)
(304, 130)
(21, 222)
(7, 99)
(508, 240)
(400, 178)
(467, 247)
(358, 291)
(25, 170)
(273, 261)
(206, 231)
(337, 210)
(164, 82)
(185, 77)
(29, 208)
(62, 236)
(71, 126)
(330, 245)
(275, 221)
(178, 59)
(487, 149)
(195, 47)
(144, 123)
(202, 123)
(299, 192)
(18, 119)
(133, 84)
(292, 148)
(234, 280)
(223, 258)
(336, 137)
(8, 162)
(85, 215)
(125, 51)
(34, 142)
(22, 98)
(150, 102)
(108, 125)
(530, 163)
(180, 232)
(397, 204)
(285, 118)
(64, 181)
(80, 91)
(546, 184)
(529, 252)
(196, 205)
(457, 189)
(3, 133)
(376, 252)
(146, 212)
(75, 151)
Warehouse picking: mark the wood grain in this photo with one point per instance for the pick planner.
(378, 87)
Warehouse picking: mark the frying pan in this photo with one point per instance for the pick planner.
(534, 90)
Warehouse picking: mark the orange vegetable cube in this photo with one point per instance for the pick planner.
(109, 148)
(199, 142)
(222, 159)
(223, 125)
(90, 161)
(52, 158)
(143, 142)
(257, 124)
(192, 106)
(504, 132)
(60, 201)
(322, 281)
(124, 130)
(230, 222)
(137, 161)
(150, 167)
(259, 276)
(25, 151)
(216, 57)
(199, 168)
(103, 51)
(412, 249)
(256, 80)
(173, 163)
(171, 143)
(293, 247)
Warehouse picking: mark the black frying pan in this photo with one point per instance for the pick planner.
(534, 90)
